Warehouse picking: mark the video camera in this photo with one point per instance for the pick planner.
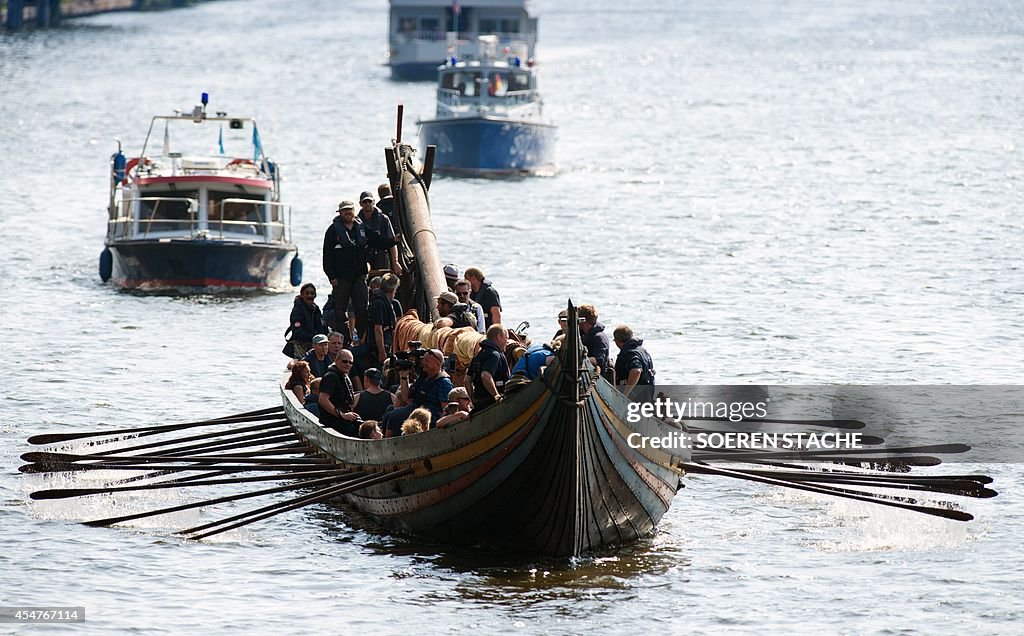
(410, 358)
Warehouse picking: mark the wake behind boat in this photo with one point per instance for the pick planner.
(489, 118)
(202, 212)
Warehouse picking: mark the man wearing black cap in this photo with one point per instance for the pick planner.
(344, 260)
(379, 234)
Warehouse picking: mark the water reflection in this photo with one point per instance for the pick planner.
(512, 581)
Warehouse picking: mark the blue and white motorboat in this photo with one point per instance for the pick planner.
(422, 32)
(489, 118)
(202, 212)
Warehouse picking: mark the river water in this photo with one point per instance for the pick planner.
(779, 192)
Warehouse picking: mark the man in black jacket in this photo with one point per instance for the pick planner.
(345, 264)
(634, 368)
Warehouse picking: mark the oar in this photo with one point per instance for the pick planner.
(289, 448)
(299, 502)
(947, 513)
(53, 438)
(234, 433)
(72, 467)
(66, 493)
(62, 458)
(346, 476)
(832, 454)
(276, 438)
(160, 473)
(830, 469)
(966, 488)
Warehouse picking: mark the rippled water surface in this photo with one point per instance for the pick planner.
(784, 192)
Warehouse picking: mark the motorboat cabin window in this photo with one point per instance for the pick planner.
(518, 82)
(465, 84)
(170, 211)
(431, 28)
(236, 212)
(421, 27)
(498, 25)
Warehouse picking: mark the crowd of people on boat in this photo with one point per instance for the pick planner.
(347, 369)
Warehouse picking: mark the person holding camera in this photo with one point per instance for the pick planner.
(429, 390)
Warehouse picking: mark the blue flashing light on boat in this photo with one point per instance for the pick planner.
(205, 98)
(517, 61)
(453, 60)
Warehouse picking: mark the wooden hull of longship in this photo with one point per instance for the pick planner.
(540, 472)
(187, 264)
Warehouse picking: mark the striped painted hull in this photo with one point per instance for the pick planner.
(541, 472)
(197, 265)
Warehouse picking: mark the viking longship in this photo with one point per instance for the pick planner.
(552, 469)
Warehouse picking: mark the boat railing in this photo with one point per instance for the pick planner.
(142, 218)
(454, 100)
(264, 218)
(463, 38)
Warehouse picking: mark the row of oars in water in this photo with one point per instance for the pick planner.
(828, 477)
(255, 442)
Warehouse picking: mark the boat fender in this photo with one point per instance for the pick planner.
(106, 264)
(118, 161)
(296, 273)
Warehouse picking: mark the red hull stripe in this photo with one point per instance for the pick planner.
(256, 183)
(190, 282)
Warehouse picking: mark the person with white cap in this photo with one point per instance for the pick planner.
(344, 261)
(383, 252)
(451, 275)
(318, 357)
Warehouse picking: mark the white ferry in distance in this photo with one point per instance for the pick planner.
(422, 33)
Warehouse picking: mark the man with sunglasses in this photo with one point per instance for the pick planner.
(430, 390)
(462, 292)
(337, 397)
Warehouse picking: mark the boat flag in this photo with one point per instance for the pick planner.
(220, 139)
(167, 140)
(257, 147)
